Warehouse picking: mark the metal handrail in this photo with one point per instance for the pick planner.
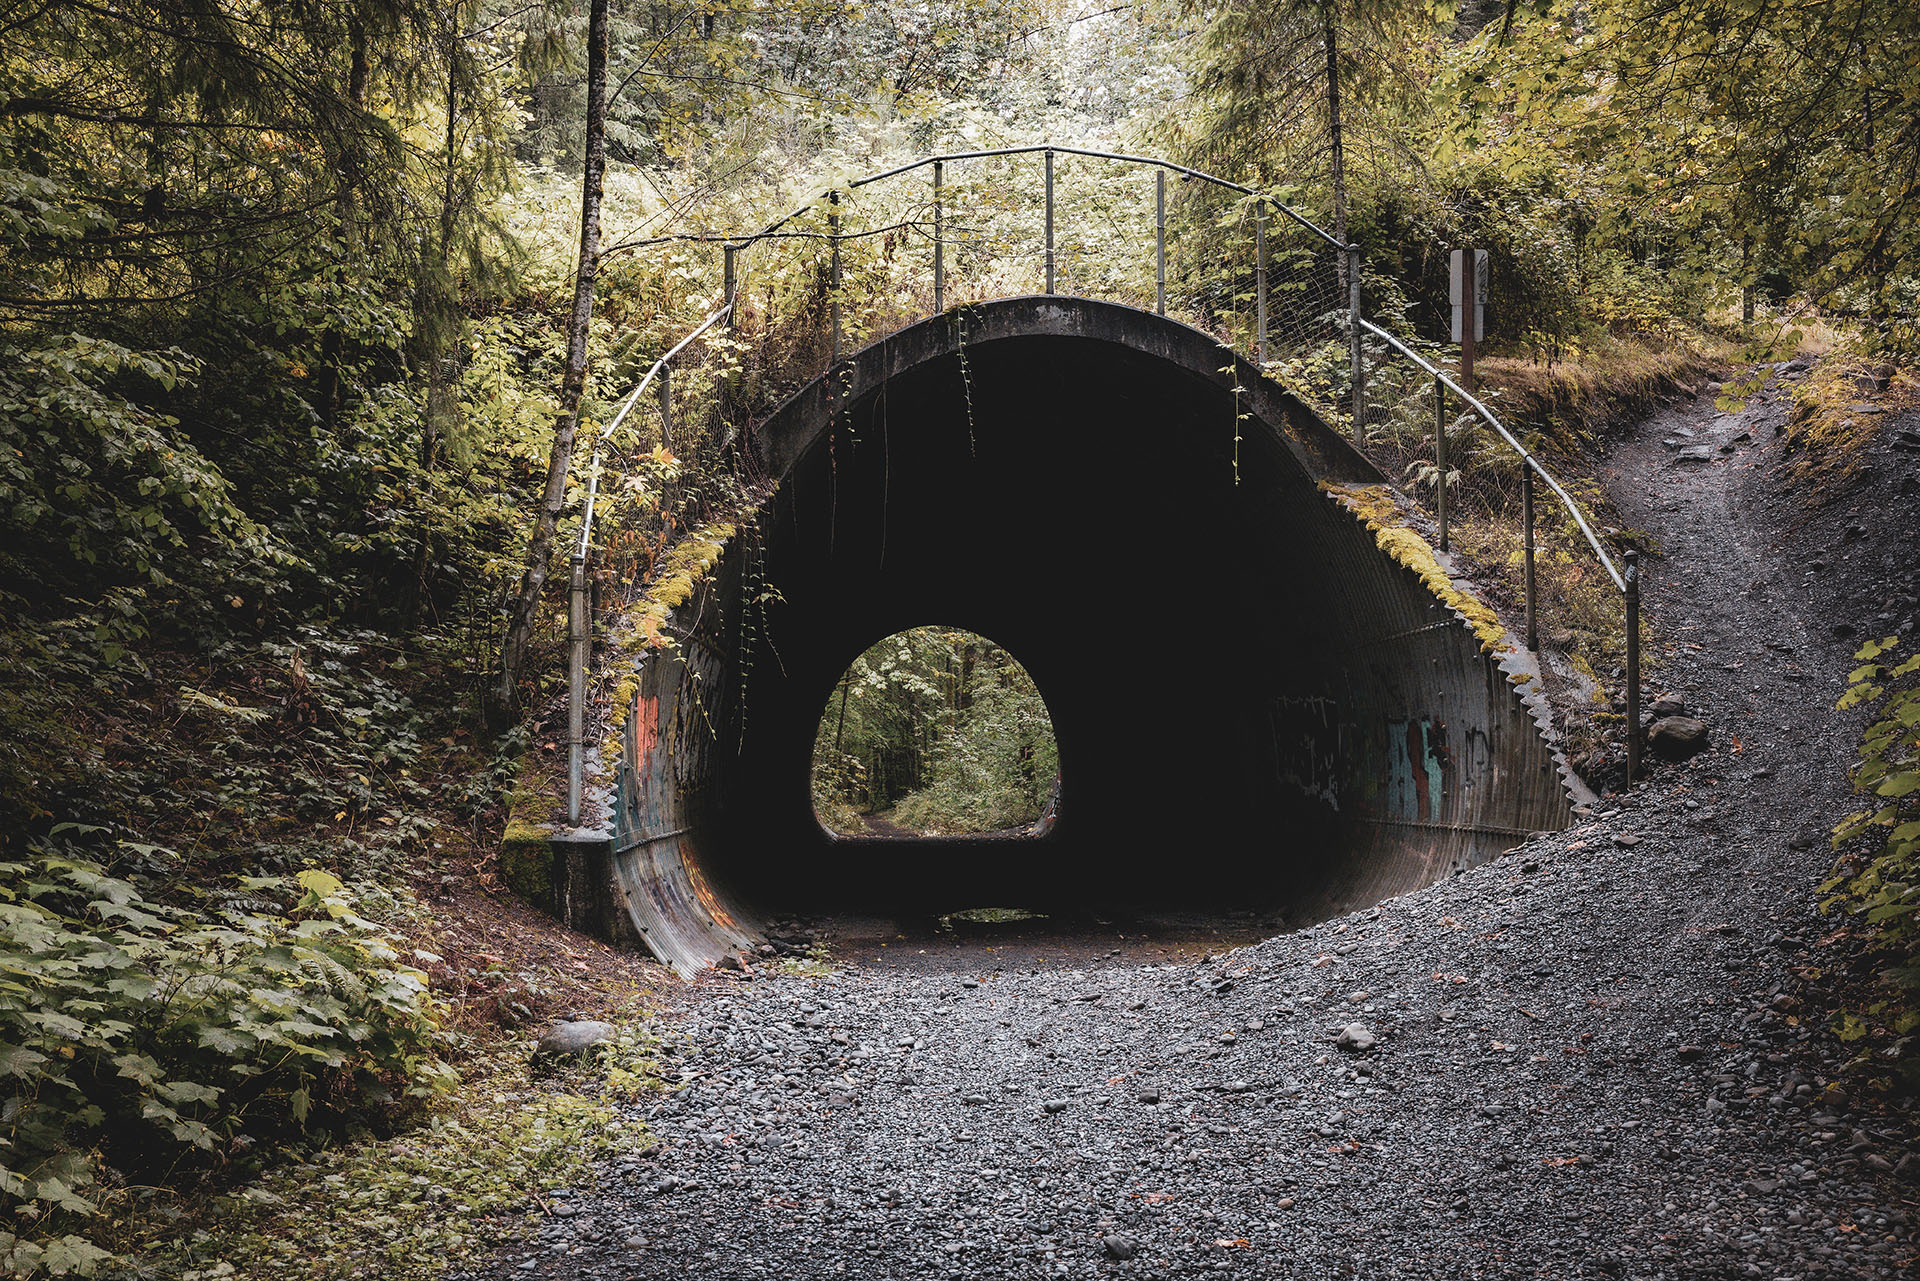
(606, 433)
(1626, 579)
(1573, 508)
(1047, 148)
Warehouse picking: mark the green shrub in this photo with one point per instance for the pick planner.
(139, 1036)
(1877, 879)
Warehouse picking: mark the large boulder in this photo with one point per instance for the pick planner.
(1675, 738)
(573, 1036)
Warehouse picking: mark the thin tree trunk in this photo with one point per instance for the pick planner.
(442, 301)
(1331, 27)
(840, 727)
(504, 702)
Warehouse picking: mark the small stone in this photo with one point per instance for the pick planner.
(1149, 1096)
(1284, 1203)
(1877, 1163)
(1626, 840)
(1356, 1037)
(1694, 454)
(1664, 706)
(1055, 1105)
(574, 1036)
(728, 962)
(1688, 1053)
(1118, 1247)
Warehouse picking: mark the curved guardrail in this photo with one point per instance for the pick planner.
(1626, 578)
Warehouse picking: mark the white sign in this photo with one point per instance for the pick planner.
(1457, 288)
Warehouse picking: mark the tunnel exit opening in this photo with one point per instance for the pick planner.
(935, 732)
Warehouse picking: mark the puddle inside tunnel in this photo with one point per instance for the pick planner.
(935, 732)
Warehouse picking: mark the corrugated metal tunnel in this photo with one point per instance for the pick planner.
(1253, 701)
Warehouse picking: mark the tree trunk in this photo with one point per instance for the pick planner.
(1331, 29)
(505, 695)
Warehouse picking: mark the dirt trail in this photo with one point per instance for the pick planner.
(1584, 1060)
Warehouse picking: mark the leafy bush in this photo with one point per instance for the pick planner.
(1877, 879)
(137, 1035)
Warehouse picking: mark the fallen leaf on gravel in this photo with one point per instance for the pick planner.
(1562, 1160)
(1235, 1243)
(1157, 1198)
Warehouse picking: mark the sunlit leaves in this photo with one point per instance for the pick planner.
(1877, 879)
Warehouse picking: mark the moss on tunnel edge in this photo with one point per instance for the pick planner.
(1374, 505)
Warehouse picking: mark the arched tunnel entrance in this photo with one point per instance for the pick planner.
(1251, 699)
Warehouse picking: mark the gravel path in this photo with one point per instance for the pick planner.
(1582, 1060)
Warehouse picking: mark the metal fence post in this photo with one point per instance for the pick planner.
(728, 283)
(833, 297)
(666, 407)
(1440, 457)
(1260, 281)
(1358, 357)
(1049, 220)
(577, 643)
(1633, 665)
(1160, 241)
(939, 244)
(1526, 517)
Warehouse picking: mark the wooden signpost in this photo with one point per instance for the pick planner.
(1468, 280)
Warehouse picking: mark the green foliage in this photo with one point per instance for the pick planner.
(137, 1034)
(1767, 145)
(939, 730)
(1877, 879)
(105, 478)
(471, 1174)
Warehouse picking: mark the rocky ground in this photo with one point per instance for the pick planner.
(1590, 1058)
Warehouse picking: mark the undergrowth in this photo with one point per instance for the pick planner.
(1837, 411)
(474, 1171)
(1876, 880)
(144, 1040)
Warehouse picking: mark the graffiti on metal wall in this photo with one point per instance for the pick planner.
(1417, 766)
